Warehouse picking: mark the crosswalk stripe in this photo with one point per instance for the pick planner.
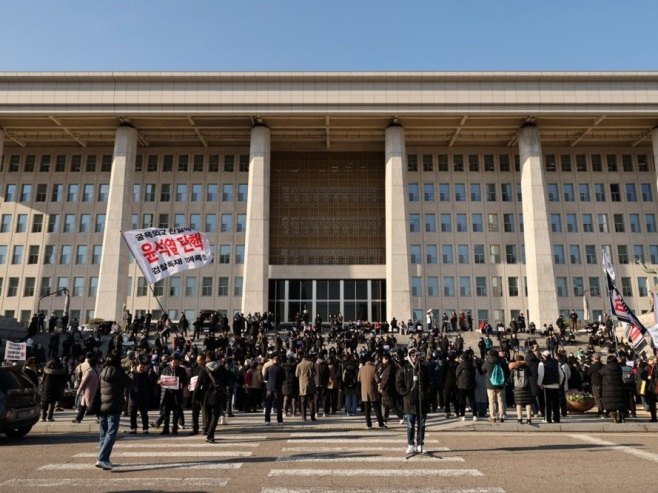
(353, 440)
(374, 472)
(350, 449)
(358, 459)
(392, 434)
(218, 436)
(145, 467)
(174, 454)
(182, 445)
(383, 490)
(139, 483)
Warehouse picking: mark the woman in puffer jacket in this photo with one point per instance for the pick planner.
(52, 384)
(519, 378)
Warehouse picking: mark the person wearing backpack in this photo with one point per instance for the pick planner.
(520, 380)
(212, 384)
(350, 385)
(495, 379)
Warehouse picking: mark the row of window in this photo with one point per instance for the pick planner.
(92, 163)
(602, 221)
(459, 194)
(514, 255)
(74, 192)
(77, 288)
(450, 286)
(501, 162)
(196, 192)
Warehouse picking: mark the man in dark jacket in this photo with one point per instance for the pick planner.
(414, 383)
(596, 382)
(213, 384)
(550, 378)
(274, 379)
(142, 379)
(172, 397)
(114, 384)
(197, 396)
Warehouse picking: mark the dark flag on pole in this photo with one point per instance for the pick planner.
(624, 313)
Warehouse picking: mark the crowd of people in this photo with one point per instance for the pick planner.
(311, 371)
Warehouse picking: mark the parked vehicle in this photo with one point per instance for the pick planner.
(19, 402)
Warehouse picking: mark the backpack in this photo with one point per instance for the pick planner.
(497, 377)
(350, 377)
(488, 344)
(627, 374)
(520, 379)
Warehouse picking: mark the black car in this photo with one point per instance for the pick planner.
(19, 402)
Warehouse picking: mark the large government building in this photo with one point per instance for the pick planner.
(371, 194)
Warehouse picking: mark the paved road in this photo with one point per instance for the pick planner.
(276, 460)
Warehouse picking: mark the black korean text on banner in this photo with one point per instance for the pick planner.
(164, 252)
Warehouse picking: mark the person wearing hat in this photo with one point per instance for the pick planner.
(649, 376)
(414, 383)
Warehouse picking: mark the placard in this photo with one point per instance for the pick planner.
(169, 382)
(15, 351)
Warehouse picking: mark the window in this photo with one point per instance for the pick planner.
(183, 161)
(37, 223)
(565, 162)
(492, 223)
(190, 286)
(81, 255)
(506, 192)
(222, 286)
(480, 286)
(225, 254)
(103, 192)
(96, 254)
(460, 192)
(85, 223)
(448, 286)
(10, 194)
(583, 192)
(446, 254)
(181, 192)
(65, 255)
(69, 223)
(612, 163)
(478, 254)
(603, 223)
(476, 195)
(626, 289)
(642, 289)
(430, 254)
(513, 286)
(631, 195)
(197, 193)
(229, 164)
(33, 254)
(147, 220)
(653, 254)
(414, 223)
(12, 288)
(558, 254)
(504, 163)
(599, 192)
(650, 222)
(206, 286)
(243, 191)
(569, 192)
(432, 286)
(578, 286)
(615, 193)
(227, 192)
(642, 163)
(412, 162)
(29, 163)
(491, 192)
(17, 255)
(49, 255)
(149, 192)
(489, 164)
(163, 220)
(458, 163)
(413, 193)
(241, 223)
(14, 163)
(165, 192)
(428, 164)
(638, 253)
(142, 287)
(461, 223)
(239, 254)
(414, 254)
(78, 286)
(590, 254)
(195, 221)
(430, 223)
(508, 223)
(87, 192)
(473, 163)
(72, 195)
(549, 161)
(237, 286)
(462, 254)
(494, 254)
(645, 189)
(211, 223)
(446, 223)
(510, 254)
(93, 287)
(21, 223)
(496, 286)
(588, 226)
(572, 223)
(174, 286)
(574, 254)
(619, 223)
(26, 193)
(561, 287)
(627, 163)
(465, 286)
(42, 192)
(57, 193)
(139, 159)
(444, 192)
(6, 223)
(213, 163)
(622, 251)
(635, 223)
(581, 162)
(553, 193)
(594, 287)
(556, 223)
(416, 288)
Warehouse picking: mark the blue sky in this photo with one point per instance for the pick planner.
(329, 35)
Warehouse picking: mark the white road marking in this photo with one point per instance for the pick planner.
(183, 445)
(218, 436)
(351, 449)
(358, 459)
(383, 490)
(145, 467)
(374, 472)
(353, 440)
(614, 446)
(173, 455)
(340, 434)
(139, 483)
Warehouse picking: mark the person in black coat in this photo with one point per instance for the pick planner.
(114, 384)
(290, 388)
(213, 384)
(275, 378)
(465, 375)
(532, 362)
(613, 389)
(52, 385)
(450, 386)
(142, 380)
(414, 383)
(386, 375)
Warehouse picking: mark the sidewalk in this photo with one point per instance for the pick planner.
(575, 423)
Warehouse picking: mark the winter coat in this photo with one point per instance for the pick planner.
(465, 374)
(290, 385)
(141, 386)
(522, 394)
(532, 362)
(213, 382)
(366, 378)
(276, 375)
(409, 389)
(54, 380)
(450, 381)
(387, 384)
(594, 374)
(613, 387)
(114, 383)
(88, 386)
(305, 372)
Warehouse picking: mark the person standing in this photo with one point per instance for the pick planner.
(520, 378)
(213, 384)
(465, 374)
(613, 389)
(550, 378)
(414, 383)
(649, 376)
(197, 397)
(305, 372)
(114, 383)
(494, 370)
(141, 384)
(172, 398)
(87, 389)
(52, 386)
(369, 393)
(275, 377)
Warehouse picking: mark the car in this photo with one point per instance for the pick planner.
(19, 402)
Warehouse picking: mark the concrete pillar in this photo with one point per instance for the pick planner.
(398, 293)
(2, 145)
(257, 237)
(654, 141)
(542, 295)
(113, 273)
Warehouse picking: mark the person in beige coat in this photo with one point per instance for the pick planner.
(89, 382)
(369, 392)
(305, 372)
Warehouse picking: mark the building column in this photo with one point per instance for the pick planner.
(398, 294)
(113, 273)
(2, 145)
(654, 141)
(257, 236)
(542, 295)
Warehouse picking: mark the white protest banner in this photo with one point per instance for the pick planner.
(192, 384)
(16, 351)
(163, 252)
(169, 382)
